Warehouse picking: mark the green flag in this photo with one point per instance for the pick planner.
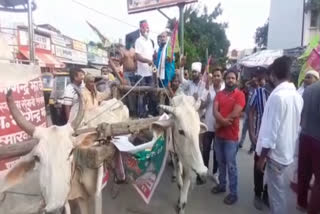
(304, 58)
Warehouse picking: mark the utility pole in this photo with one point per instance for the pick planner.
(303, 22)
(31, 32)
(181, 28)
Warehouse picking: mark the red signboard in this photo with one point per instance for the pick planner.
(137, 6)
(29, 99)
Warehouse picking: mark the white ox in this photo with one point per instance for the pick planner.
(60, 177)
(186, 127)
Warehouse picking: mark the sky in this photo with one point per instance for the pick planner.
(242, 16)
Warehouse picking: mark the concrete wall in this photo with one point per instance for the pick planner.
(285, 24)
(309, 32)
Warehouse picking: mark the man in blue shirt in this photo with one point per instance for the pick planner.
(256, 105)
(165, 65)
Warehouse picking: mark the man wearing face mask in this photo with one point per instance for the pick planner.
(227, 109)
(165, 65)
(144, 55)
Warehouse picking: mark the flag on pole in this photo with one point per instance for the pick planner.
(173, 46)
(314, 60)
(314, 43)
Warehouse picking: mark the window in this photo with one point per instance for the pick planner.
(314, 18)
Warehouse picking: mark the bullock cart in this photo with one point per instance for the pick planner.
(102, 151)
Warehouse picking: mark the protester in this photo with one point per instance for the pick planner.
(228, 106)
(144, 54)
(70, 97)
(278, 133)
(174, 86)
(165, 65)
(132, 37)
(193, 87)
(213, 86)
(309, 151)
(256, 109)
(250, 86)
(311, 77)
(91, 97)
(103, 84)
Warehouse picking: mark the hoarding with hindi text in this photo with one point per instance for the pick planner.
(137, 6)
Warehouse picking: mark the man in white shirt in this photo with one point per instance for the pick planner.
(144, 55)
(278, 133)
(70, 97)
(213, 86)
(193, 87)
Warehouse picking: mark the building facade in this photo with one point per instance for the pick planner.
(291, 24)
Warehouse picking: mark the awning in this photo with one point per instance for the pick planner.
(45, 60)
(262, 58)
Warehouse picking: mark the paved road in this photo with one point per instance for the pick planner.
(201, 201)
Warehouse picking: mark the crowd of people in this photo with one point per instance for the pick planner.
(281, 120)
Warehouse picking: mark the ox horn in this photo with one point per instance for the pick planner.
(78, 119)
(24, 124)
(168, 109)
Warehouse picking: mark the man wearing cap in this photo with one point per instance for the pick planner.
(310, 78)
(193, 87)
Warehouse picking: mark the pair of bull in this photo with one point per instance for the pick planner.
(62, 180)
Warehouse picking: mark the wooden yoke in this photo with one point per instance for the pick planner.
(116, 129)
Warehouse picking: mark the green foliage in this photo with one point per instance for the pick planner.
(261, 36)
(202, 31)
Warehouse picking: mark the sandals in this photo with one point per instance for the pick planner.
(218, 189)
(230, 199)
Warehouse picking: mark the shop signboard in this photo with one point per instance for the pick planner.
(58, 40)
(41, 42)
(27, 91)
(79, 46)
(97, 55)
(71, 56)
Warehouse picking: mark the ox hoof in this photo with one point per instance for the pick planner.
(180, 207)
(180, 210)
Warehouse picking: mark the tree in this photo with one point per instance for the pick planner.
(261, 36)
(202, 31)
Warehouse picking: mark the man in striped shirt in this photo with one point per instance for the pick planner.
(257, 104)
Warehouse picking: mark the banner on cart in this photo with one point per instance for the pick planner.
(26, 85)
(145, 168)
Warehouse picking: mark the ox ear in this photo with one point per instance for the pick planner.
(85, 140)
(162, 124)
(18, 173)
(203, 128)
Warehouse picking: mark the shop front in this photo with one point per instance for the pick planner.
(43, 53)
